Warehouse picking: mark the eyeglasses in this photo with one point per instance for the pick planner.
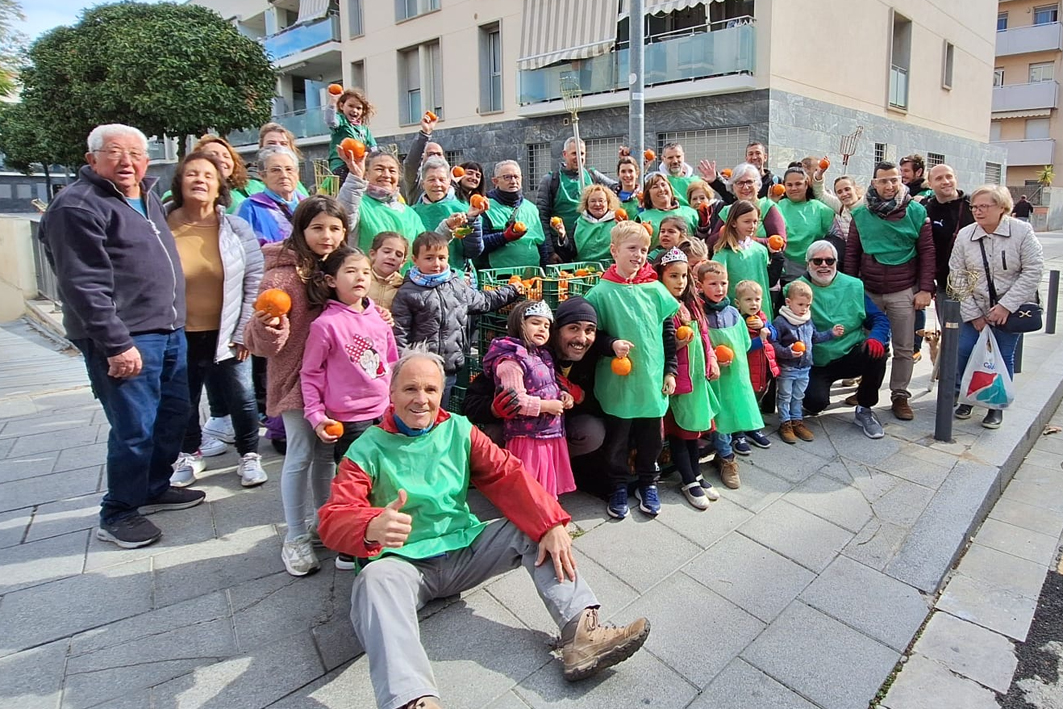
(820, 261)
(278, 170)
(980, 207)
(746, 183)
(118, 153)
(513, 178)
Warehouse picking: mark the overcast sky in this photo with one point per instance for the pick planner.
(43, 15)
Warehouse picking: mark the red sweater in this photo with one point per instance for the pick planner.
(501, 478)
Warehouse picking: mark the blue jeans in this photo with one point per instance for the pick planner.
(969, 338)
(448, 386)
(790, 392)
(147, 414)
(232, 380)
(722, 443)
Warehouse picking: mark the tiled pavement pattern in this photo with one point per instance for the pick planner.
(801, 589)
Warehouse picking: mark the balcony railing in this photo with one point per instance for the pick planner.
(299, 39)
(1033, 38)
(1026, 97)
(1026, 153)
(717, 50)
(304, 124)
(898, 87)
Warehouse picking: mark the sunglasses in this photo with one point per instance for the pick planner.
(821, 261)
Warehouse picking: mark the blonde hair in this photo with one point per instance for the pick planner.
(714, 267)
(610, 197)
(628, 230)
(748, 286)
(797, 288)
(702, 185)
(999, 194)
(695, 249)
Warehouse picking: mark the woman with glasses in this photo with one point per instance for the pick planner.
(745, 184)
(1015, 261)
(270, 211)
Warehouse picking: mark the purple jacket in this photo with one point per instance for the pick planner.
(540, 379)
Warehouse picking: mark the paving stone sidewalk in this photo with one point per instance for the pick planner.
(801, 589)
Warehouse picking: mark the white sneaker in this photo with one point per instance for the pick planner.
(250, 469)
(185, 469)
(220, 428)
(210, 446)
(298, 556)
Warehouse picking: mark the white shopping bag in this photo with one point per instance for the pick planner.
(986, 382)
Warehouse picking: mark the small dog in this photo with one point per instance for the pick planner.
(933, 339)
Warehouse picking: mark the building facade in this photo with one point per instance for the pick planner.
(904, 76)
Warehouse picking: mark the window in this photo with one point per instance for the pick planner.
(420, 82)
(539, 163)
(880, 152)
(900, 61)
(1043, 71)
(358, 74)
(405, 9)
(1037, 128)
(727, 146)
(948, 54)
(1046, 14)
(354, 9)
(490, 68)
(24, 191)
(994, 131)
(602, 153)
(992, 173)
(998, 76)
(933, 159)
(1002, 21)
(454, 157)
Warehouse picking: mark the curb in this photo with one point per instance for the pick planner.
(38, 316)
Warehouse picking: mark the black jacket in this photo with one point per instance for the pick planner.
(946, 220)
(119, 273)
(544, 201)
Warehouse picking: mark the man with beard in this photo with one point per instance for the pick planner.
(913, 171)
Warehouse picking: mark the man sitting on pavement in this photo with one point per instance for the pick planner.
(891, 249)
(838, 299)
(123, 294)
(559, 196)
(400, 500)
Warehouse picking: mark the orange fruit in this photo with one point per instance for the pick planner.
(457, 171)
(639, 196)
(777, 190)
(621, 214)
(355, 147)
(478, 202)
(335, 89)
(754, 323)
(274, 302)
(798, 346)
(519, 228)
(649, 155)
(334, 429)
(684, 333)
(776, 242)
(726, 172)
(581, 272)
(621, 366)
(555, 222)
(514, 280)
(724, 354)
(431, 116)
(824, 163)
(648, 227)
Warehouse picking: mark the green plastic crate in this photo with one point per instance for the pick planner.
(558, 287)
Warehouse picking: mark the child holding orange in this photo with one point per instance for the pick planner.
(633, 389)
(693, 405)
(347, 116)
(761, 356)
(793, 350)
(728, 331)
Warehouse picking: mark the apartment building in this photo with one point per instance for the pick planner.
(1026, 120)
(906, 75)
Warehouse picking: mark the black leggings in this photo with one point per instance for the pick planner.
(685, 457)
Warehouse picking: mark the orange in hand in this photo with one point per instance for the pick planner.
(274, 302)
(724, 354)
(334, 429)
(520, 228)
(431, 116)
(684, 333)
(620, 214)
(798, 346)
(621, 366)
(556, 222)
(824, 163)
(354, 147)
(649, 155)
(777, 190)
(478, 202)
(335, 89)
(754, 323)
(726, 172)
(457, 171)
(776, 242)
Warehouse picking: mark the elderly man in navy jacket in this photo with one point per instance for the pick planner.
(123, 296)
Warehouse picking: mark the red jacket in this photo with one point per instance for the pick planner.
(880, 279)
(344, 519)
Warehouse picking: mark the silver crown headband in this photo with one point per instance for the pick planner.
(673, 255)
(539, 309)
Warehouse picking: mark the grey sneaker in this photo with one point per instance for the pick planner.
(865, 419)
(299, 557)
(220, 428)
(129, 533)
(210, 446)
(250, 469)
(186, 468)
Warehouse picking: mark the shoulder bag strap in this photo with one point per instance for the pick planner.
(988, 277)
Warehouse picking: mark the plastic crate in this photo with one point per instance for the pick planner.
(491, 325)
(457, 400)
(561, 280)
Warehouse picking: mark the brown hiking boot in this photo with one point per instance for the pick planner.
(728, 471)
(901, 409)
(592, 647)
(786, 432)
(425, 703)
(852, 400)
(802, 431)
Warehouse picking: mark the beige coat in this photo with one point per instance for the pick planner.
(1015, 262)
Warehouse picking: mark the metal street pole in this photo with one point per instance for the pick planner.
(636, 81)
(948, 357)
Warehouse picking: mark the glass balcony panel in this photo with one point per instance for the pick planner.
(299, 39)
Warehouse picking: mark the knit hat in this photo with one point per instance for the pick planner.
(575, 309)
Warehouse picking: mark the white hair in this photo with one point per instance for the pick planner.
(433, 163)
(821, 245)
(504, 163)
(417, 350)
(271, 151)
(100, 134)
(741, 169)
(572, 141)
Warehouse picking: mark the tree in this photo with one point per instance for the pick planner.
(1046, 175)
(24, 142)
(170, 70)
(12, 45)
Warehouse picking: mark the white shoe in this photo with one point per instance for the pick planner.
(695, 495)
(210, 446)
(185, 469)
(298, 556)
(710, 491)
(250, 470)
(220, 428)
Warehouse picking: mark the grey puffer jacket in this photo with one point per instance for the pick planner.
(440, 316)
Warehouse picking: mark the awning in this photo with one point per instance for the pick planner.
(310, 10)
(560, 30)
(661, 7)
(1034, 113)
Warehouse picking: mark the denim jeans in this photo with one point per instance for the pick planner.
(232, 380)
(791, 385)
(722, 443)
(969, 338)
(448, 386)
(147, 414)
